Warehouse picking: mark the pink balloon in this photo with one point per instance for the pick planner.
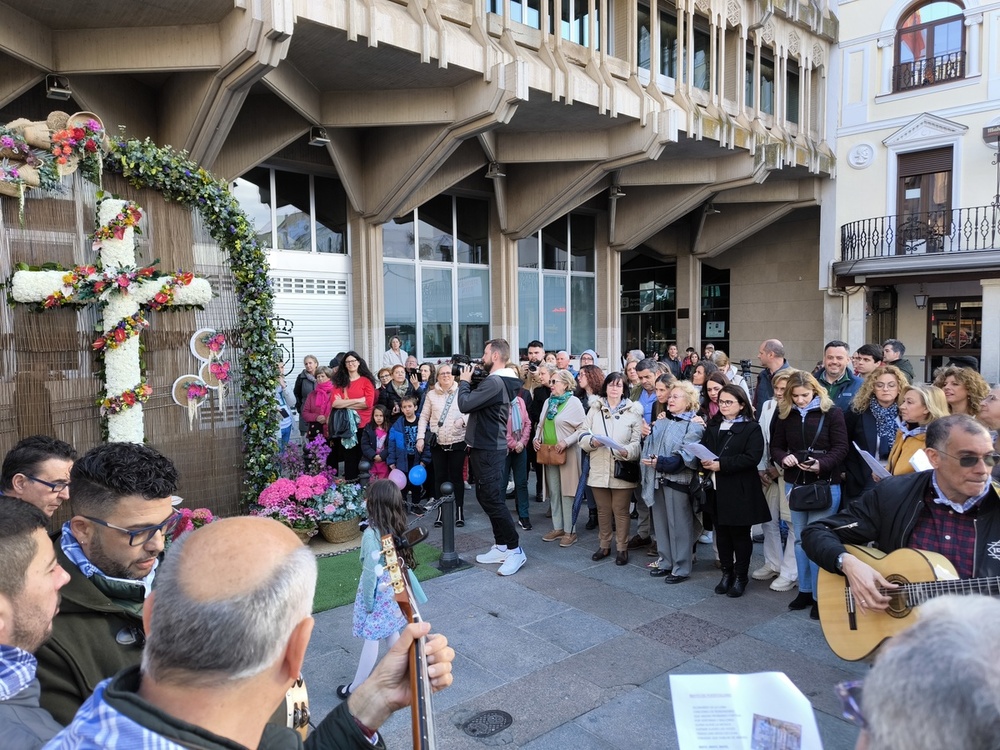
(398, 478)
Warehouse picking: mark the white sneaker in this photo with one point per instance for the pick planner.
(764, 573)
(513, 563)
(494, 557)
(782, 584)
(705, 538)
(510, 489)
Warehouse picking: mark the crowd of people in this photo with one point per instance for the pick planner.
(685, 448)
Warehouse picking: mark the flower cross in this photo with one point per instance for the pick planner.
(123, 291)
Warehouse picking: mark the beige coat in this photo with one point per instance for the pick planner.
(568, 423)
(624, 427)
(453, 429)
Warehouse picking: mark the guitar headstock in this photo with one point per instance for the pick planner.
(395, 567)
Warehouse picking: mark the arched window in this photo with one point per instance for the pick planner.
(930, 45)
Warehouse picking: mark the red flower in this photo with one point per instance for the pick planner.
(99, 286)
(90, 147)
(129, 398)
(161, 298)
(146, 390)
(185, 278)
(98, 345)
(119, 232)
(120, 335)
(123, 281)
(78, 134)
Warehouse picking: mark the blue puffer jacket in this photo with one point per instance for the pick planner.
(397, 446)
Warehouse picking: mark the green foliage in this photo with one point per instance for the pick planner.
(148, 165)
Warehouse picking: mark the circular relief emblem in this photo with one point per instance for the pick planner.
(861, 156)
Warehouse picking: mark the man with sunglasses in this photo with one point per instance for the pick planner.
(953, 509)
(36, 470)
(122, 510)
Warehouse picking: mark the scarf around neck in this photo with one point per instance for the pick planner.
(907, 432)
(123, 589)
(555, 402)
(885, 424)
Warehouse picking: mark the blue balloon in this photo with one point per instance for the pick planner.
(418, 475)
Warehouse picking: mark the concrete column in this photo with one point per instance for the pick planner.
(989, 364)
(607, 283)
(885, 47)
(973, 57)
(503, 284)
(367, 288)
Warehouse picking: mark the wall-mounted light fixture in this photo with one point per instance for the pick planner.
(494, 171)
(318, 137)
(615, 192)
(920, 299)
(57, 87)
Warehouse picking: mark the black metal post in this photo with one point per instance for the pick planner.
(364, 473)
(449, 557)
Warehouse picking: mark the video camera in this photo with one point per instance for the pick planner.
(460, 361)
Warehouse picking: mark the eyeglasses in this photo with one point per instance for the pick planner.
(967, 462)
(849, 693)
(350, 361)
(886, 386)
(138, 537)
(728, 402)
(991, 398)
(56, 487)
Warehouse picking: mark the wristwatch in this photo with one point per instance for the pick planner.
(840, 562)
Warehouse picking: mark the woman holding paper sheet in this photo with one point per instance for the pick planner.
(737, 441)
(871, 426)
(614, 416)
(666, 473)
(919, 406)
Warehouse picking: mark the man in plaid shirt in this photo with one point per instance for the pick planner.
(953, 510)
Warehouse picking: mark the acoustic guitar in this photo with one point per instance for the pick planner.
(921, 576)
(297, 708)
(421, 710)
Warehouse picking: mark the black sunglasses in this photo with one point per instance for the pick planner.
(967, 462)
(138, 537)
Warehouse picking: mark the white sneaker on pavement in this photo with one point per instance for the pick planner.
(782, 584)
(764, 573)
(515, 559)
(494, 557)
(705, 538)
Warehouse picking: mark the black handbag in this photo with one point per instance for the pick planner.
(817, 495)
(811, 497)
(700, 484)
(627, 471)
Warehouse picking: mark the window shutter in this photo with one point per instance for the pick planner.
(926, 162)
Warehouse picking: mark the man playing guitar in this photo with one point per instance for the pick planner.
(953, 510)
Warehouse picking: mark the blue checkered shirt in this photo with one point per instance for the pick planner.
(17, 670)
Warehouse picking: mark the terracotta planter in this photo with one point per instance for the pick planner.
(338, 532)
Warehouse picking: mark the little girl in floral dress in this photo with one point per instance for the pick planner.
(374, 445)
(377, 616)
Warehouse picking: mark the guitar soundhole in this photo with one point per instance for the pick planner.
(899, 603)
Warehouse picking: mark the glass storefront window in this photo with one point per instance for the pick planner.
(554, 242)
(253, 191)
(472, 231)
(453, 239)
(583, 306)
(283, 217)
(527, 307)
(331, 215)
(554, 316)
(399, 281)
(582, 243)
(527, 252)
(293, 218)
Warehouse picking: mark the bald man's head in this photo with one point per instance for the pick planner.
(227, 599)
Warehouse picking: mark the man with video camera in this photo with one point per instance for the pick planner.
(488, 407)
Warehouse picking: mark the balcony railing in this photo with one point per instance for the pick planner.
(960, 230)
(927, 71)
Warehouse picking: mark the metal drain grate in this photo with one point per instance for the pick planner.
(487, 723)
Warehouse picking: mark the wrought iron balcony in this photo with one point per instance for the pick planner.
(928, 71)
(960, 230)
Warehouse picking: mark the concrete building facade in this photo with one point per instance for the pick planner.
(596, 174)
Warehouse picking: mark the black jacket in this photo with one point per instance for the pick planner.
(369, 443)
(791, 435)
(739, 498)
(538, 398)
(24, 724)
(861, 429)
(488, 407)
(887, 516)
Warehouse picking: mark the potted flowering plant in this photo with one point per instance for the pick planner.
(292, 502)
(338, 510)
(191, 519)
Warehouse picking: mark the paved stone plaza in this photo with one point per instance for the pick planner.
(579, 652)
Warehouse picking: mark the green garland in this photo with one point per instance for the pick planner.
(148, 165)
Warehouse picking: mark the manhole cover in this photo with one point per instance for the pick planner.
(487, 723)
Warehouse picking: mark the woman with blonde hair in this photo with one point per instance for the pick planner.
(561, 419)
(919, 406)
(442, 418)
(667, 470)
(809, 441)
(872, 425)
(963, 387)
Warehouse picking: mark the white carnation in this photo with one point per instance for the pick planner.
(126, 426)
(115, 253)
(35, 286)
(121, 367)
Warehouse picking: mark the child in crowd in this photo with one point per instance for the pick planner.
(377, 616)
(403, 449)
(375, 442)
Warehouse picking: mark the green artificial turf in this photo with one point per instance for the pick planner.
(337, 584)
